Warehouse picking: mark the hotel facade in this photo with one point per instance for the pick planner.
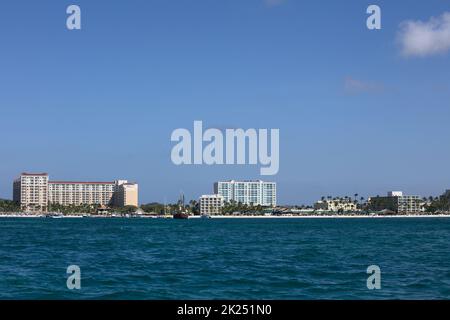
(211, 204)
(34, 192)
(30, 190)
(398, 202)
(336, 205)
(251, 193)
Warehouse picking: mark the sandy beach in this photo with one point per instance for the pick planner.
(244, 216)
(328, 217)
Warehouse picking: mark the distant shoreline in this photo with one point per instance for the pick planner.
(234, 216)
(329, 217)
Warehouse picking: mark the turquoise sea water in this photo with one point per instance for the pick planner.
(225, 258)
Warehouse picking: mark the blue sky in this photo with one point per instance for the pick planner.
(355, 113)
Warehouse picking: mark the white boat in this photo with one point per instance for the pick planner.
(55, 215)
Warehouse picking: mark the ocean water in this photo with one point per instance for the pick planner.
(225, 258)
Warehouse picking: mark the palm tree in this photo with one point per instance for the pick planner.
(362, 201)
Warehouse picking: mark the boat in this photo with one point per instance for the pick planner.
(54, 215)
(205, 216)
(181, 215)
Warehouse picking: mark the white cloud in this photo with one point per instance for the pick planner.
(418, 38)
(274, 3)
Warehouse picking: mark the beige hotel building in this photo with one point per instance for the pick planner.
(34, 192)
(31, 191)
(211, 204)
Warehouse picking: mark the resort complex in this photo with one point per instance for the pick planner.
(336, 205)
(396, 202)
(34, 192)
(254, 193)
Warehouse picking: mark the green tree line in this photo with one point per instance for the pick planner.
(8, 206)
(441, 203)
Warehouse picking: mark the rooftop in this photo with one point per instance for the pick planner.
(240, 181)
(79, 182)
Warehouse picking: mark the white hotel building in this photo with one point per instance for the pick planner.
(76, 193)
(30, 190)
(34, 192)
(211, 204)
(248, 192)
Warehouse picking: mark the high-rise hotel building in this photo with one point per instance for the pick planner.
(248, 192)
(76, 193)
(126, 194)
(31, 191)
(34, 192)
